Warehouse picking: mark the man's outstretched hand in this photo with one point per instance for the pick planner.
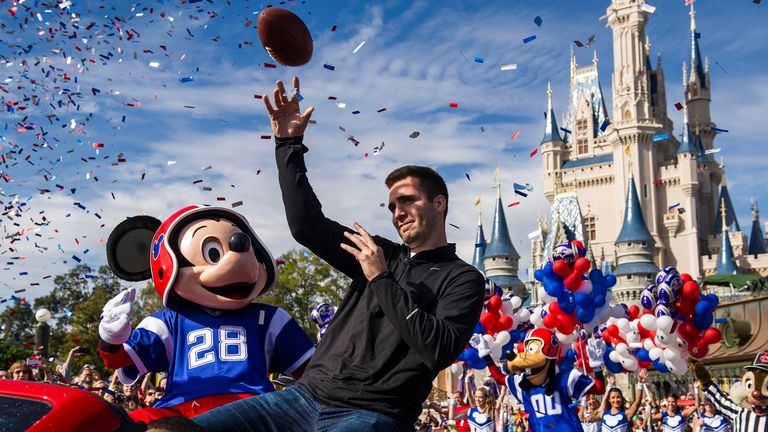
(285, 116)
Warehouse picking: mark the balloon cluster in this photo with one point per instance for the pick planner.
(675, 322)
(573, 299)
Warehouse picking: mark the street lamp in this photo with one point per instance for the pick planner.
(43, 331)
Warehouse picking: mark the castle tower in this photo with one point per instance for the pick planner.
(553, 150)
(501, 258)
(634, 252)
(477, 257)
(756, 237)
(726, 264)
(725, 198)
(697, 90)
(685, 227)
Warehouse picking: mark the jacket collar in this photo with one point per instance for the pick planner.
(431, 255)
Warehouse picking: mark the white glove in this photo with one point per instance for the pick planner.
(115, 324)
(595, 352)
(481, 345)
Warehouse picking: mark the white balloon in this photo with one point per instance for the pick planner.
(523, 315)
(622, 349)
(496, 352)
(502, 338)
(648, 344)
(671, 354)
(655, 353)
(615, 357)
(585, 287)
(456, 368)
(664, 323)
(565, 339)
(516, 301)
(623, 324)
(629, 363)
(507, 308)
(648, 321)
(488, 338)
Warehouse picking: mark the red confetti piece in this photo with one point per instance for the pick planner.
(220, 199)
(513, 204)
(98, 145)
(333, 29)
(270, 66)
(533, 153)
(279, 262)
(514, 135)
(454, 104)
(76, 340)
(678, 105)
(266, 137)
(257, 96)
(657, 181)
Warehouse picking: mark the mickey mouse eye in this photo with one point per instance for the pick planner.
(212, 251)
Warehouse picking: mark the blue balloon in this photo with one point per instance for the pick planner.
(661, 367)
(585, 315)
(610, 280)
(703, 307)
(610, 364)
(539, 274)
(569, 359)
(599, 301)
(479, 329)
(643, 355)
(555, 289)
(703, 322)
(566, 302)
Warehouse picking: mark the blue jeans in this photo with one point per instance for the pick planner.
(294, 409)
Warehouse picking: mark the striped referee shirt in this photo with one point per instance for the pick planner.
(744, 420)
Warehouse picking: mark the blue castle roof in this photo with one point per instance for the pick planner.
(689, 142)
(500, 244)
(634, 228)
(756, 238)
(730, 213)
(551, 131)
(725, 261)
(633, 268)
(477, 258)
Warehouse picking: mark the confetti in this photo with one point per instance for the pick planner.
(207, 167)
(538, 21)
(568, 131)
(454, 226)
(532, 235)
(237, 204)
(647, 8)
(266, 137)
(533, 153)
(678, 106)
(381, 110)
(357, 48)
(479, 59)
(514, 135)
(187, 79)
(355, 112)
(714, 129)
(171, 163)
(333, 28)
(660, 137)
(329, 67)
(521, 193)
(154, 64)
(659, 181)
(414, 134)
(466, 174)
(453, 104)
(530, 38)
(508, 66)
(604, 126)
(712, 151)
(270, 66)
(513, 204)
(673, 206)
(341, 105)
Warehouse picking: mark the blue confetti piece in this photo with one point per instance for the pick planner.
(466, 174)
(479, 244)
(85, 252)
(329, 67)
(721, 320)
(522, 194)
(538, 21)
(714, 129)
(74, 257)
(604, 126)
(697, 35)
(355, 112)
(298, 95)
(530, 38)
(479, 59)
(23, 273)
(660, 137)
(187, 79)
(673, 206)
(518, 186)
(568, 131)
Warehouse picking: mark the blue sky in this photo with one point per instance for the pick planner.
(418, 57)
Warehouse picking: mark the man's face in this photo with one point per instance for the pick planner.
(415, 218)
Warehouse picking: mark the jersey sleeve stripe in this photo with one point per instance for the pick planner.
(124, 378)
(276, 324)
(300, 361)
(575, 377)
(159, 328)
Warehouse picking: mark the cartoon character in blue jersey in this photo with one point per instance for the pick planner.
(207, 265)
(540, 386)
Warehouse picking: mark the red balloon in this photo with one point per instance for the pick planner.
(573, 281)
(699, 349)
(504, 323)
(565, 329)
(685, 277)
(644, 332)
(582, 266)
(554, 308)
(712, 336)
(494, 303)
(613, 330)
(691, 291)
(634, 312)
(488, 320)
(561, 268)
(569, 319)
(687, 330)
(550, 321)
(644, 364)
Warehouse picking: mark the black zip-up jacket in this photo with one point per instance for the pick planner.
(391, 336)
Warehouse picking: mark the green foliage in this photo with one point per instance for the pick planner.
(17, 325)
(305, 281)
(148, 301)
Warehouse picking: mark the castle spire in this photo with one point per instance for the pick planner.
(477, 258)
(725, 261)
(756, 238)
(633, 229)
(500, 260)
(729, 219)
(687, 144)
(697, 66)
(551, 132)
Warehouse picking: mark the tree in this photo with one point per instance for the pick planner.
(148, 301)
(303, 282)
(17, 333)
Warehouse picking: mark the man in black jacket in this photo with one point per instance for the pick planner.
(408, 313)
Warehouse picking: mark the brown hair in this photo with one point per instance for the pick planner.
(431, 182)
(489, 407)
(20, 365)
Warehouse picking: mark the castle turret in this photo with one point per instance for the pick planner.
(477, 258)
(726, 264)
(501, 258)
(634, 251)
(553, 151)
(756, 237)
(725, 198)
(698, 92)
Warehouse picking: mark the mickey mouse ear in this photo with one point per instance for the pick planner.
(129, 246)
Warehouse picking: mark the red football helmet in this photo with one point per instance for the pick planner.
(550, 346)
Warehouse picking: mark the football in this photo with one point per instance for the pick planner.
(284, 36)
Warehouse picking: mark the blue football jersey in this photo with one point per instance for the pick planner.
(207, 353)
(552, 413)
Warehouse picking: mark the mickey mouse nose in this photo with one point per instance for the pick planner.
(239, 242)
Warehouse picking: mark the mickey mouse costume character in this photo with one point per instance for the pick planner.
(753, 418)
(207, 264)
(538, 384)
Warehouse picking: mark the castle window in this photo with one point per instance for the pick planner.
(583, 145)
(627, 115)
(590, 228)
(629, 277)
(645, 191)
(629, 244)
